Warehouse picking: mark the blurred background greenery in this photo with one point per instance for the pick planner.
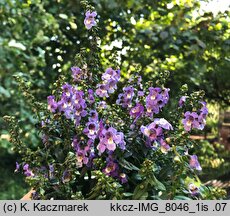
(39, 40)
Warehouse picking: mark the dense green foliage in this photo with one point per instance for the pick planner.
(39, 40)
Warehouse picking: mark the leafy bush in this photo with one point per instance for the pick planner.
(102, 139)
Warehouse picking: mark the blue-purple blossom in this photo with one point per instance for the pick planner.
(91, 98)
(182, 100)
(195, 119)
(204, 109)
(111, 74)
(190, 120)
(163, 123)
(52, 105)
(112, 85)
(123, 178)
(125, 99)
(91, 130)
(110, 79)
(102, 90)
(66, 177)
(140, 93)
(137, 111)
(17, 167)
(139, 81)
(27, 171)
(194, 163)
(109, 139)
(152, 131)
(102, 105)
(71, 103)
(67, 90)
(156, 100)
(111, 169)
(193, 189)
(84, 153)
(202, 116)
(164, 146)
(93, 116)
(89, 20)
(77, 74)
(51, 171)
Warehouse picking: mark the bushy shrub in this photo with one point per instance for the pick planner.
(107, 139)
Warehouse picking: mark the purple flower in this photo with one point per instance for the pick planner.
(93, 116)
(27, 171)
(91, 98)
(76, 144)
(52, 105)
(194, 163)
(90, 19)
(71, 103)
(111, 168)
(123, 178)
(82, 157)
(125, 99)
(164, 146)
(66, 177)
(204, 109)
(196, 120)
(156, 100)
(110, 79)
(91, 130)
(109, 139)
(102, 105)
(202, 116)
(163, 123)
(102, 90)
(67, 90)
(190, 121)
(112, 85)
(77, 73)
(182, 100)
(137, 111)
(111, 74)
(193, 189)
(139, 81)
(121, 142)
(17, 167)
(77, 99)
(51, 171)
(140, 93)
(152, 131)
(51, 168)
(84, 154)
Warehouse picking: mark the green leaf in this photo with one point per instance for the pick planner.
(63, 16)
(181, 197)
(127, 165)
(140, 191)
(128, 194)
(158, 184)
(4, 92)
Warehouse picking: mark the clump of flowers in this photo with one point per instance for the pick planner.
(194, 119)
(104, 142)
(156, 100)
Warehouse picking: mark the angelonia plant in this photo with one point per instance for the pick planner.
(103, 138)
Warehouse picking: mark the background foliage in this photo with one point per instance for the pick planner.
(39, 40)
